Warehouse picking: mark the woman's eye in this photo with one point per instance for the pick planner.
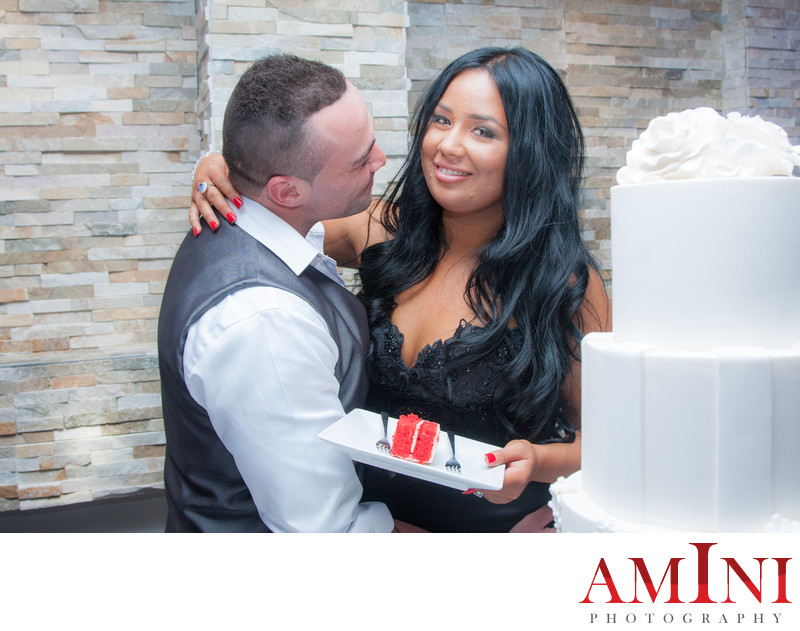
(484, 133)
(439, 120)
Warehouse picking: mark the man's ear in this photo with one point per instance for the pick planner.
(287, 191)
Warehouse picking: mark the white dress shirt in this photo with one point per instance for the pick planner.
(261, 362)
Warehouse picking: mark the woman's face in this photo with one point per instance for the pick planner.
(465, 145)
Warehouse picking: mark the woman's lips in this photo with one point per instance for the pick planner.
(450, 175)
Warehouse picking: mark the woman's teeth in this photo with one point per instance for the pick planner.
(451, 172)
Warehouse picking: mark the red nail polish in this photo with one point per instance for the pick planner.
(196, 232)
(468, 492)
(490, 458)
(214, 225)
(230, 217)
(238, 202)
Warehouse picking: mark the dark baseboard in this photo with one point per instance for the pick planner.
(145, 511)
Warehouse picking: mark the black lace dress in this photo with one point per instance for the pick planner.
(461, 403)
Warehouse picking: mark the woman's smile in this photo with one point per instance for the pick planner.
(446, 174)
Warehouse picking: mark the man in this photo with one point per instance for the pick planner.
(260, 344)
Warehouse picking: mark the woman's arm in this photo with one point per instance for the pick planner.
(528, 462)
(345, 238)
(594, 316)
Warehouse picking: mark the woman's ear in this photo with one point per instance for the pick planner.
(287, 191)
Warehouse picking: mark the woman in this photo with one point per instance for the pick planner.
(477, 285)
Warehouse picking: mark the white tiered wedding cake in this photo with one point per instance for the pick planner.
(691, 406)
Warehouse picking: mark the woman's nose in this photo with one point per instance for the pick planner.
(451, 143)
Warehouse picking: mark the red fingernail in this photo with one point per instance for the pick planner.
(468, 492)
(490, 458)
(230, 217)
(238, 202)
(214, 225)
(196, 232)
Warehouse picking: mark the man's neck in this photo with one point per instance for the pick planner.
(295, 217)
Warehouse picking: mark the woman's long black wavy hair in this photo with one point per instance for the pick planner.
(535, 271)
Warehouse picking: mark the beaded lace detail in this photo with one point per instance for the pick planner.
(460, 400)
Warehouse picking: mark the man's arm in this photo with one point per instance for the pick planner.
(262, 364)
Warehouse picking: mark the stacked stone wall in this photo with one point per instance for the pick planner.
(98, 129)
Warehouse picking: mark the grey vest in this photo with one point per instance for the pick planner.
(205, 491)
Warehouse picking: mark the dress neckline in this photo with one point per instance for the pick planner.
(425, 350)
(463, 328)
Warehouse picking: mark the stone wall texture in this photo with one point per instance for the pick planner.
(106, 104)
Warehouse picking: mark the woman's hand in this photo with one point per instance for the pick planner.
(538, 521)
(402, 526)
(212, 171)
(529, 462)
(521, 459)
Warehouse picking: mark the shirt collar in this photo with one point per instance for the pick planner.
(284, 241)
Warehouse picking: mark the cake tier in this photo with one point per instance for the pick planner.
(574, 511)
(695, 440)
(704, 263)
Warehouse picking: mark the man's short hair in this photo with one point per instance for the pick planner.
(264, 133)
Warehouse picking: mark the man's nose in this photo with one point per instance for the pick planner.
(378, 158)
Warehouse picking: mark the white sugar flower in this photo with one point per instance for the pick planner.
(700, 143)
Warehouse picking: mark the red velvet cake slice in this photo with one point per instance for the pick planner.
(415, 439)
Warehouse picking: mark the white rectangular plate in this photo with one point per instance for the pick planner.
(357, 433)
